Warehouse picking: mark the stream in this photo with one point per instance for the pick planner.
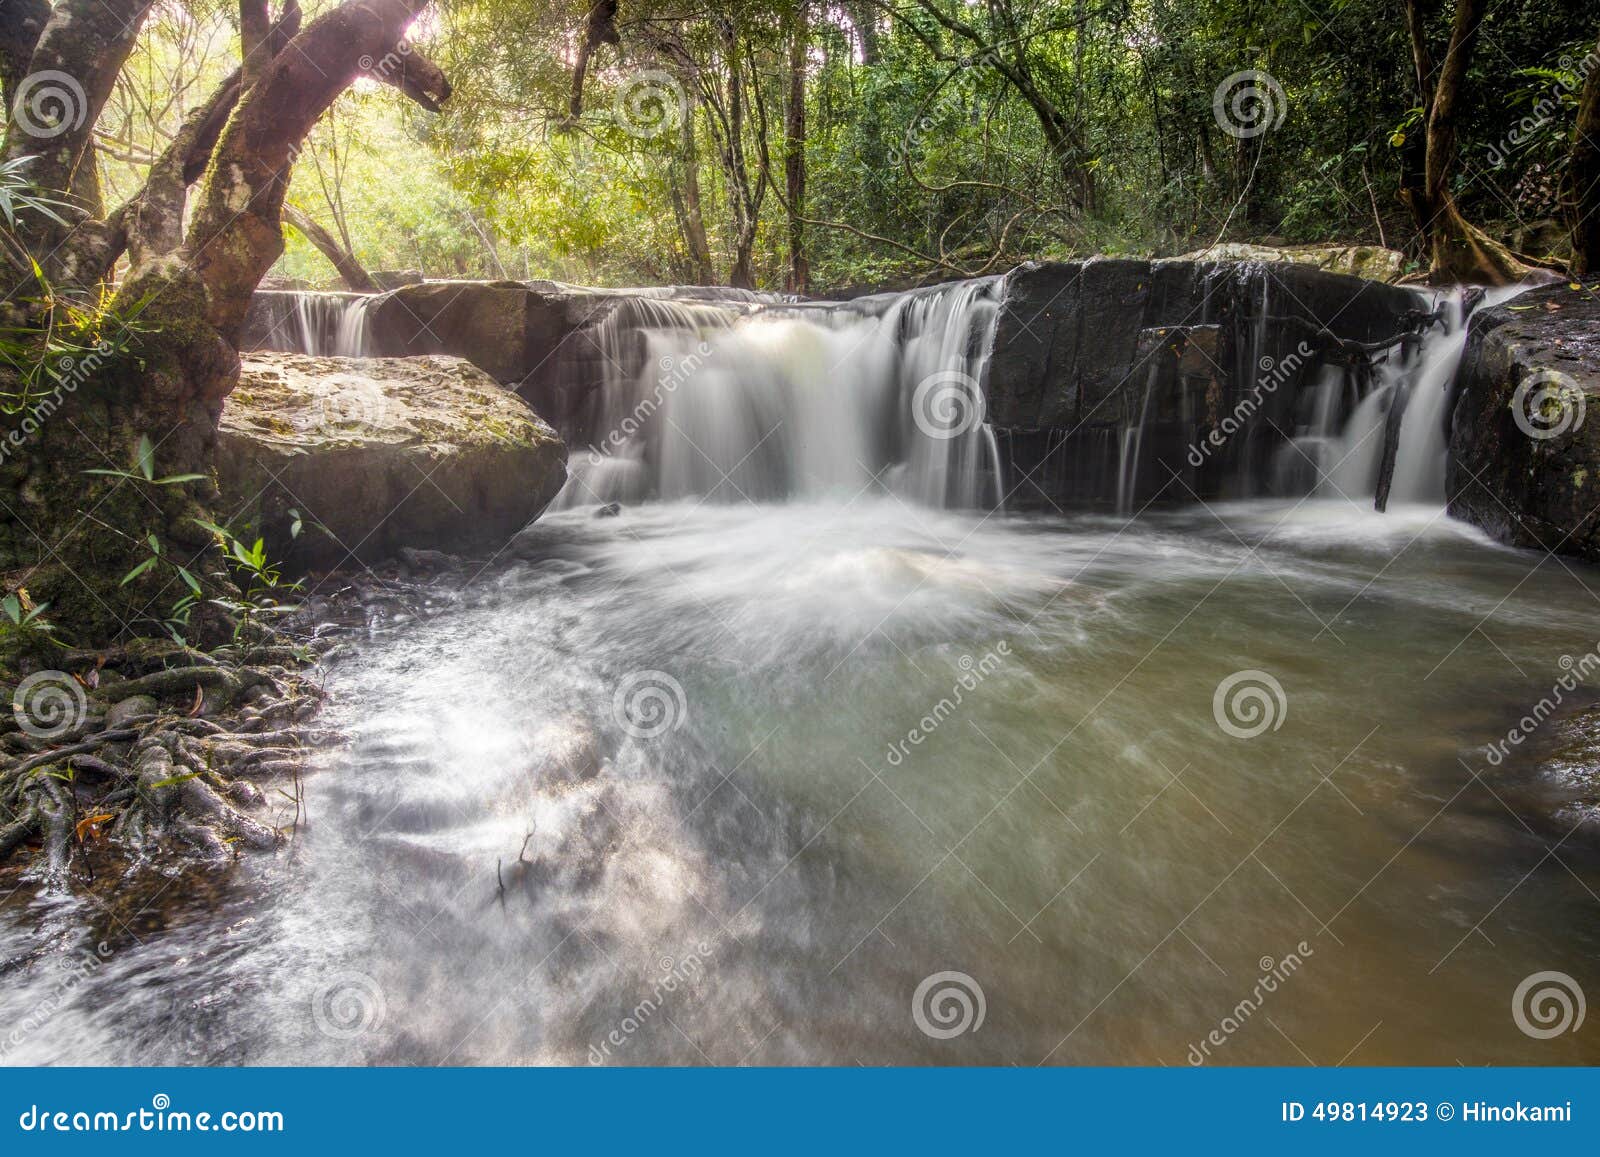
(697, 717)
(813, 753)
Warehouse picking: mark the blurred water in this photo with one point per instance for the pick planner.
(719, 783)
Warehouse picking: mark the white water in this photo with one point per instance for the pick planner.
(512, 861)
(731, 405)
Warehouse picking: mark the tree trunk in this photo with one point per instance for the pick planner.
(156, 364)
(350, 270)
(21, 22)
(1458, 250)
(694, 224)
(794, 155)
(741, 273)
(1583, 200)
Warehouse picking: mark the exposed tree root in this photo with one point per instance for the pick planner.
(161, 778)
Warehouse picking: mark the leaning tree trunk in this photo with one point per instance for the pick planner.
(152, 367)
(1583, 201)
(350, 270)
(1457, 249)
(794, 154)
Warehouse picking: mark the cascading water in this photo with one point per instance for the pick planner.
(727, 402)
(322, 324)
(714, 782)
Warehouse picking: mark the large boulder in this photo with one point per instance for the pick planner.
(376, 454)
(1085, 349)
(555, 344)
(1525, 432)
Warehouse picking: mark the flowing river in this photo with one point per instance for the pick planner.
(699, 717)
(788, 763)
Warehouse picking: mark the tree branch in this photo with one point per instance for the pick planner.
(350, 270)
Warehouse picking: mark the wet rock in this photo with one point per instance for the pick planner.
(374, 455)
(428, 561)
(609, 510)
(1084, 349)
(1524, 435)
(1569, 765)
(132, 707)
(1372, 262)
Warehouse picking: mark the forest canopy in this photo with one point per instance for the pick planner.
(787, 143)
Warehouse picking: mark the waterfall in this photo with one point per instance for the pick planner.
(322, 324)
(742, 401)
(1421, 447)
(726, 396)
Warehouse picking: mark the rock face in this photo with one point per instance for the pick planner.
(1083, 350)
(550, 342)
(1525, 430)
(1372, 262)
(380, 454)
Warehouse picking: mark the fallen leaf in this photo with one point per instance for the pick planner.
(199, 701)
(90, 825)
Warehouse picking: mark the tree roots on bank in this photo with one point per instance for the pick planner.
(180, 761)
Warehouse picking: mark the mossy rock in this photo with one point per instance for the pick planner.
(375, 454)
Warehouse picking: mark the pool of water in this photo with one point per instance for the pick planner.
(858, 782)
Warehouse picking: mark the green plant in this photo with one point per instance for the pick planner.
(145, 471)
(260, 581)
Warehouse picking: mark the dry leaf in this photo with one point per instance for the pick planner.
(90, 825)
(199, 701)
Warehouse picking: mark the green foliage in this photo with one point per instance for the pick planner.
(926, 152)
